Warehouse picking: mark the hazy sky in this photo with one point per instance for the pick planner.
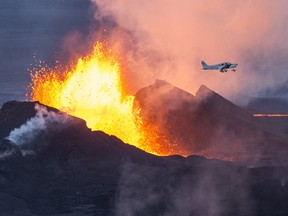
(252, 33)
(162, 39)
(32, 27)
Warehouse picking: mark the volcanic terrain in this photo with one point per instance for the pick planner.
(51, 163)
(210, 125)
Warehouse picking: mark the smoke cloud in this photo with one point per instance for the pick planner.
(179, 190)
(166, 39)
(44, 121)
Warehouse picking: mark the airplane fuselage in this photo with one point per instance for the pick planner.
(222, 67)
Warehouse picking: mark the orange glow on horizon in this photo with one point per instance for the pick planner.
(270, 115)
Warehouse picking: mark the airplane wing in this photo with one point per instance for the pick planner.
(225, 67)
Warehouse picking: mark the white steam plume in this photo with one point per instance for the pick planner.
(43, 120)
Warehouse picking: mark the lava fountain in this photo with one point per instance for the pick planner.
(92, 89)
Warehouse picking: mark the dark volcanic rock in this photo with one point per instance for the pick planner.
(13, 206)
(63, 140)
(208, 124)
(79, 172)
(13, 114)
(65, 168)
(9, 150)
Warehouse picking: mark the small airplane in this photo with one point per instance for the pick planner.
(222, 67)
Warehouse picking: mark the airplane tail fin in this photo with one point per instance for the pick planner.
(204, 65)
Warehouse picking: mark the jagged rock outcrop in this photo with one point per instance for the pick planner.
(208, 124)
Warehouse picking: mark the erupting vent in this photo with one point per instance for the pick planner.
(92, 89)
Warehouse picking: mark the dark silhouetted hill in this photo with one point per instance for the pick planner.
(210, 125)
(69, 170)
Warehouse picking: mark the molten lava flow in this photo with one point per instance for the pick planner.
(92, 90)
(270, 115)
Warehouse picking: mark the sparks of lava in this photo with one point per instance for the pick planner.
(92, 89)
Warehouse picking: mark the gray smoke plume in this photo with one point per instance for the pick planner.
(183, 190)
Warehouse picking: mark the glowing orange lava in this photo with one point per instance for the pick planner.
(270, 115)
(92, 90)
